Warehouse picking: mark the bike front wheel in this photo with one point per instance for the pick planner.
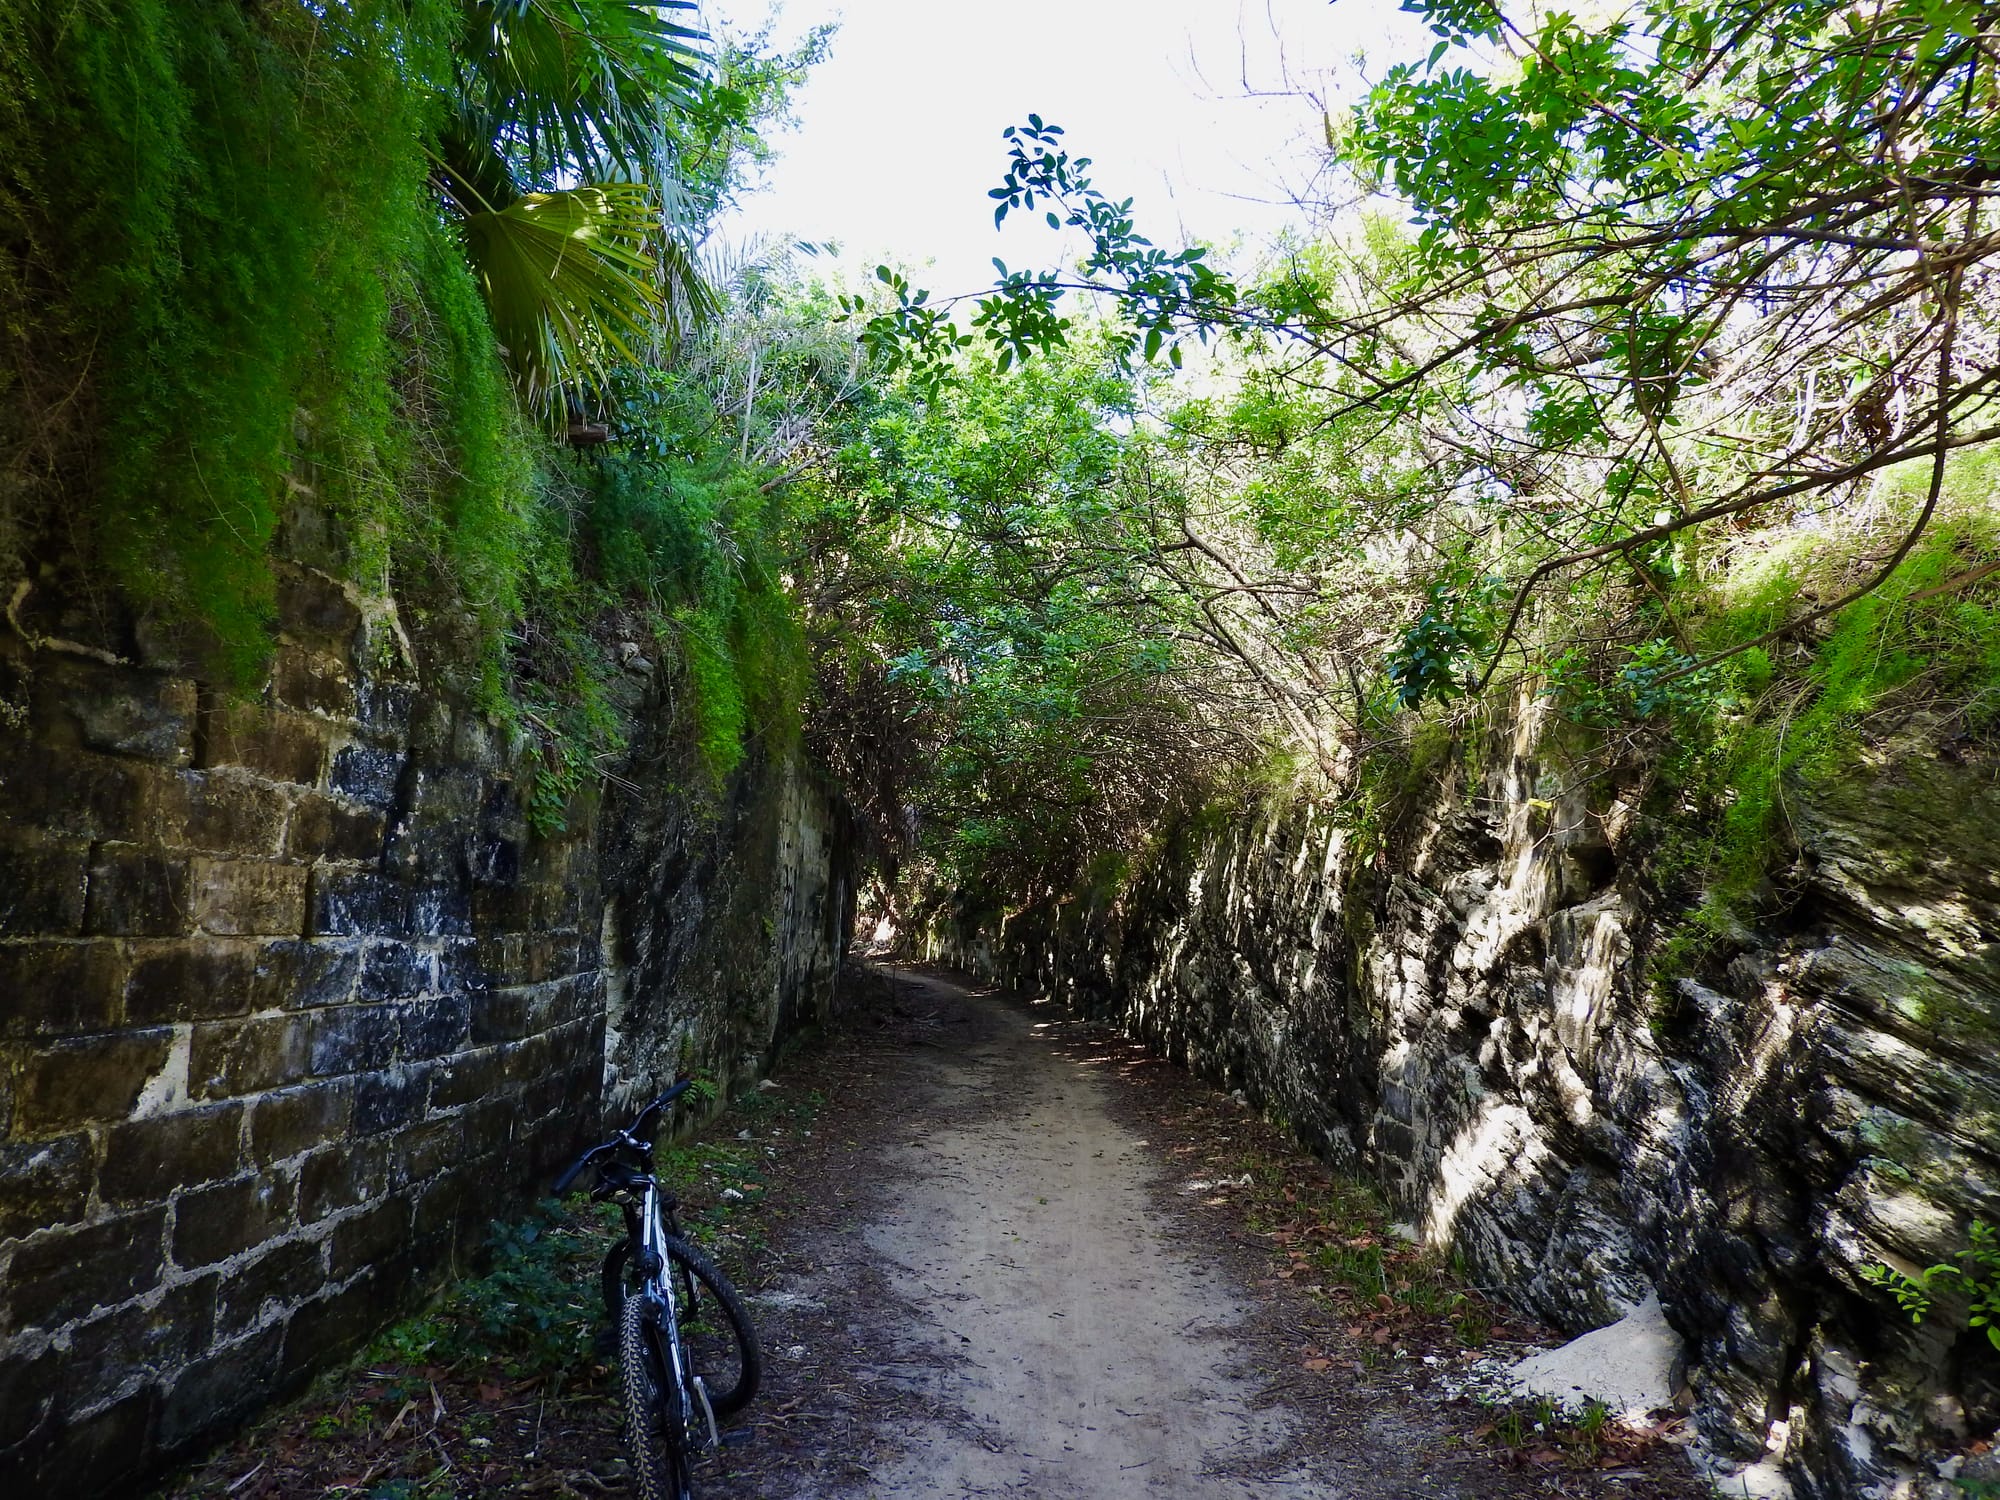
(655, 1406)
(716, 1332)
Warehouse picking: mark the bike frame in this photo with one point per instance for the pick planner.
(649, 1218)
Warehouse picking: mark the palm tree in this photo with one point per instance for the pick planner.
(558, 157)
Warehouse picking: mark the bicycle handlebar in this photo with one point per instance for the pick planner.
(631, 1135)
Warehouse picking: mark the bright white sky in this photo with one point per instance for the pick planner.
(899, 130)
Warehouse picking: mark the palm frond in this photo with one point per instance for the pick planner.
(576, 87)
(570, 280)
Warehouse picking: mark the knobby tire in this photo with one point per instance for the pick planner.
(654, 1410)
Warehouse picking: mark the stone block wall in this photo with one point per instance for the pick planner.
(292, 1003)
(1461, 1010)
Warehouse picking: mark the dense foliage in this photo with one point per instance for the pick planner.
(367, 258)
(1642, 369)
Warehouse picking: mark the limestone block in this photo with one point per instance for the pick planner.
(226, 1385)
(145, 1160)
(385, 1100)
(65, 1273)
(120, 710)
(312, 682)
(333, 828)
(358, 903)
(317, 609)
(363, 774)
(44, 1182)
(283, 1275)
(295, 974)
(249, 896)
(214, 1223)
(353, 1039)
(274, 742)
(138, 893)
(184, 980)
(75, 1080)
(396, 971)
(247, 1057)
(56, 988)
(42, 887)
(286, 1123)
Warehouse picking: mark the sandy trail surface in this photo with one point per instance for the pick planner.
(1007, 1263)
(1087, 1344)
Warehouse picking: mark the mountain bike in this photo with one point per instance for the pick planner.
(687, 1355)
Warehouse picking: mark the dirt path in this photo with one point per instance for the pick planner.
(1013, 1292)
(1093, 1343)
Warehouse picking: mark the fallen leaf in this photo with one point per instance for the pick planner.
(1319, 1364)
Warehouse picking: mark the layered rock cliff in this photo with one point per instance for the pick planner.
(1468, 1007)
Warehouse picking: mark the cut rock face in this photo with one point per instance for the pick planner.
(1628, 1366)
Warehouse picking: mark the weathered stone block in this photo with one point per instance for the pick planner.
(396, 971)
(502, 909)
(249, 896)
(493, 859)
(285, 1274)
(247, 1057)
(27, 1396)
(353, 1038)
(283, 746)
(74, 1080)
(432, 1028)
(425, 1150)
(440, 1207)
(145, 1159)
(65, 1273)
(441, 909)
(288, 1122)
(119, 710)
(467, 1077)
(331, 1328)
(341, 1176)
(214, 1223)
(136, 1340)
(371, 1236)
(312, 682)
(42, 888)
(385, 705)
(55, 988)
(134, 893)
(316, 608)
(426, 852)
(332, 828)
(221, 811)
(300, 974)
(548, 955)
(358, 903)
(75, 795)
(194, 980)
(366, 775)
(501, 1015)
(102, 1453)
(214, 1392)
(461, 966)
(383, 1101)
(44, 1183)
